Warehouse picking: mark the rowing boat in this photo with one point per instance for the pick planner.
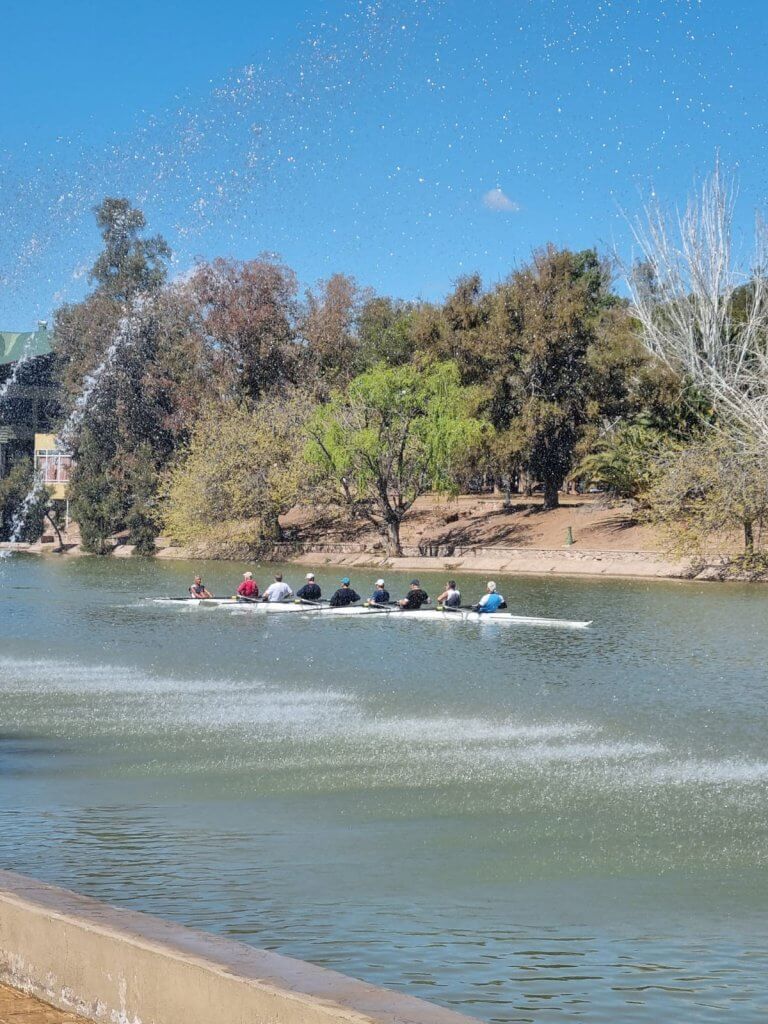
(389, 612)
(467, 615)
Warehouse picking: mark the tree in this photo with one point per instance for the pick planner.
(142, 516)
(329, 324)
(14, 487)
(136, 361)
(95, 501)
(625, 460)
(240, 472)
(384, 333)
(553, 305)
(394, 433)
(702, 313)
(248, 311)
(129, 263)
(709, 489)
(468, 337)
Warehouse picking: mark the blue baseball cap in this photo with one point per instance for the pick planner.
(345, 580)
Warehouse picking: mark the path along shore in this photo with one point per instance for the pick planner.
(525, 561)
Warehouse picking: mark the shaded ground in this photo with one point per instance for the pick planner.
(479, 521)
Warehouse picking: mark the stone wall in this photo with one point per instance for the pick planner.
(109, 964)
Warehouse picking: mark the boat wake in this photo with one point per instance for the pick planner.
(333, 737)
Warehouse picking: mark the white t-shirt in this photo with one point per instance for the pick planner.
(278, 591)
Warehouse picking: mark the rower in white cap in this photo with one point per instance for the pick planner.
(249, 588)
(380, 594)
(311, 590)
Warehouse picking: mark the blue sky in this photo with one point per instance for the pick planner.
(405, 142)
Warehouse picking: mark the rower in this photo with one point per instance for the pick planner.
(345, 595)
(277, 591)
(197, 590)
(310, 591)
(450, 597)
(415, 598)
(491, 601)
(249, 587)
(380, 594)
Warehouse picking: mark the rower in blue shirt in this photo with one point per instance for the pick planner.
(380, 594)
(491, 601)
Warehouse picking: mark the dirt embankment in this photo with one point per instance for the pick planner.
(477, 533)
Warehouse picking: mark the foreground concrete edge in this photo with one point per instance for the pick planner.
(109, 964)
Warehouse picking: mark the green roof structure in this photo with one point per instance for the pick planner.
(14, 345)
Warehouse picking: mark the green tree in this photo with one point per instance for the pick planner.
(96, 503)
(144, 345)
(129, 263)
(625, 460)
(393, 434)
(242, 469)
(385, 335)
(14, 487)
(552, 307)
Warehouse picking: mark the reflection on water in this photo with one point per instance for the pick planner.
(530, 825)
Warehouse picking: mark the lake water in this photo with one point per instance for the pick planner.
(524, 824)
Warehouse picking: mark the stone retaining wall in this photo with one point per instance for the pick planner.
(114, 965)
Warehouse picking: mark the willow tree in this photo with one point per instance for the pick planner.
(392, 435)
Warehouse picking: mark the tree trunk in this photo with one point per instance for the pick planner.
(394, 547)
(507, 492)
(749, 538)
(56, 530)
(551, 496)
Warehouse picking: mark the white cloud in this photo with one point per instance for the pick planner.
(499, 202)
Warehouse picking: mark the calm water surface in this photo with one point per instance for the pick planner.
(525, 824)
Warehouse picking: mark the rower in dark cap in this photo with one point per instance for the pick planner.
(415, 598)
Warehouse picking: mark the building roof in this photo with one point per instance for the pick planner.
(16, 344)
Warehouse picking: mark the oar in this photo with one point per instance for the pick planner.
(321, 605)
(391, 607)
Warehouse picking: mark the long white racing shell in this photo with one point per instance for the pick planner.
(389, 613)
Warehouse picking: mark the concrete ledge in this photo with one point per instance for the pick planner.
(109, 964)
(518, 561)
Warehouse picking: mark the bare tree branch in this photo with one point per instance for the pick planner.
(684, 292)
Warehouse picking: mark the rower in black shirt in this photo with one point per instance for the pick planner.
(415, 598)
(310, 591)
(344, 596)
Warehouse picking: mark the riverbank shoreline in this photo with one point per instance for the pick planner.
(510, 561)
(584, 538)
(588, 564)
